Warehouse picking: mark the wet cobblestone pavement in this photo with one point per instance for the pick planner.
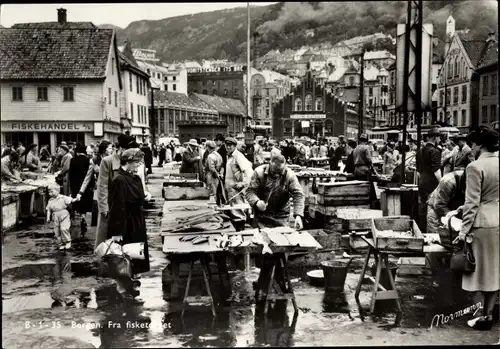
(87, 313)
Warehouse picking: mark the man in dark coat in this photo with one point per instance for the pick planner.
(163, 155)
(221, 149)
(77, 171)
(339, 153)
(191, 159)
(148, 157)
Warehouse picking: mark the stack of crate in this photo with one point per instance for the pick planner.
(335, 196)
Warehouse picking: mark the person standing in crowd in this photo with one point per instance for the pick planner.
(301, 155)
(447, 157)
(362, 159)
(107, 170)
(78, 169)
(463, 154)
(105, 148)
(274, 149)
(214, 171)
(480, 223)
(258, 154)
(340, 152)
(238, 174)
(390, 160)
(429, 169)
(44, 153)
(148, 157)
(292, 152)
(126, 217)
(314, 151)
(169, 153)
(221, 149)
(191, 159)
(32, 161)
(349, 163)
(162, 156)
(63, 175)
(9, 164)
(155, 151)
(57, 158)
(323, 150)
(57, 212)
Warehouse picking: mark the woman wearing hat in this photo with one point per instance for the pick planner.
(191, 159)
(126, 218)
(78, 169)
(480, 223)
(63, 176)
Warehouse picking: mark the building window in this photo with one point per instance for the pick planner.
(494, 84)
(351, 81)
(130, 81)
(450, 68)
(464, 117)
(319, 104)
(485, 86)
(236, 92)
(456, 67)
(42, 94)
(493, 113)
(166, 87)
(17, 94)
(267, 92)
(298, 104)
(370, 91)
(68, 93)
(441, 98)
(464, 93)
(267, 113)
(484, 116)
(448, 96)
(137, 84)
(225, 92)
(214, 92)
(132, 111)
(308, 102)
(267, 102)
(174, 87)
(455, 95)
(139, 116)
(116, 99)
(174, 78)
(455, 118)
(109, 95)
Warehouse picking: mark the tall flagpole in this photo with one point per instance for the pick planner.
(248, 59)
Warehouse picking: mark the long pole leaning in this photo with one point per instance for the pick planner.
(406, 89)
(418, 103)
(248, 60)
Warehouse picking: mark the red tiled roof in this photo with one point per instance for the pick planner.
(489, 56)
(180, 100)
(54, 53)
(474, 49)
(223, 105)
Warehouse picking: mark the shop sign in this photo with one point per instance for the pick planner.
(112, 128)
(307, 116)
(48, 126)
(145, 55)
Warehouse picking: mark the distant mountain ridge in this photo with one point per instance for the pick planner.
(222, 34)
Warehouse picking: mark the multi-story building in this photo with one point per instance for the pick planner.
(227, 82)
(175, 78)
(393, 118)
(147, 61)
(456, 100)
(174, 107)
(60, 81)
(134, 101)
(266, 88)
(485, 81)
(309, 109)
(380, 58)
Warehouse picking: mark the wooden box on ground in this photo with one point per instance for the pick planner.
(346, 193)
(10, 211)
(396, 242)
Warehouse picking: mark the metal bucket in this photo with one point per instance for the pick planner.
(335, 273)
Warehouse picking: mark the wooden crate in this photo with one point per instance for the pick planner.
(10, 211)
(397, 244)
(344, 193)
(343, 200)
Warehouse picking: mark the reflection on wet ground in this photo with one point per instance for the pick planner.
(61, 290)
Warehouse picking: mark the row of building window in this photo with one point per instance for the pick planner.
(174, 87)
(42, 94)
(110, 95)
(308, 103)
(493, 114)
(236, 92)
(486, 87)
(141, 84)
(142, 114)
(174, 78)
(258, 114)
(456, 93)
(455, 69)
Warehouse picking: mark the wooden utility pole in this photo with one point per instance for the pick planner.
(248, 62)
(361, 94)
(406, 89)
(153, 119)
(418, 92)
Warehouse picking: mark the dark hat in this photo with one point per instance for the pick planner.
(219, 137)
(433, 132)
(124, 141)
(132, 154)
(484, 136)
(341, 136)
(363, 136)
(64, 147)
(32, 146)
(80, 148)
(231, 140)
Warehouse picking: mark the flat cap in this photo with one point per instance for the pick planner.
(434, 132)
(231, 140)
(132, 154)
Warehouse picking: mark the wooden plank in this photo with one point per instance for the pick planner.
(187, 193)
(381, 295)
(359, 189)
(398, 225)
(343, 201)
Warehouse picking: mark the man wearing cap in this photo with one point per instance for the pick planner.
(463, 154)
(107, 170)
(64, 174)
(191, 159)
(238, 174)
(213, 171)
(429, 169)
(221, 149)
(362, 159)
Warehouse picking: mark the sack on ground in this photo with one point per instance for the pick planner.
(102, 249)
(114, 266)
(134, 250)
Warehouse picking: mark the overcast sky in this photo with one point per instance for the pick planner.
(117, 14)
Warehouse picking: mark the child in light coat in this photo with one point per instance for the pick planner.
(57, 211)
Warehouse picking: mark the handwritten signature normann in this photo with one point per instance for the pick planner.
(440, 319)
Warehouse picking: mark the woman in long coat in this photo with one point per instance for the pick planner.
(64, 173)
(480, 223)
(126, 216)
(78, 169)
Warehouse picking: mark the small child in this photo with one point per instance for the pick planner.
(57, 210)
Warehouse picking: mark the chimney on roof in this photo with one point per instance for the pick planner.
(61, 15)
(491, 37)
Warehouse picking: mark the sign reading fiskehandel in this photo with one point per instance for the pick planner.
(71, 126)
(307, 116)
